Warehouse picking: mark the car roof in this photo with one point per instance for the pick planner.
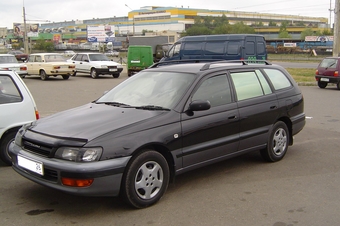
(192, 67)
(5, 54)
(33, 54)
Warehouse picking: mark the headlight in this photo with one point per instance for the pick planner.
(79, 154)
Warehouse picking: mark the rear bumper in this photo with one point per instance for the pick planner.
(327, 79)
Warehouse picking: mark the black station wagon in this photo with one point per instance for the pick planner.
(163, 121)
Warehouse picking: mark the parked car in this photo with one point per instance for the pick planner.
(95, 64)
(139, 57)
(69, 53)
(21, 56)
(112, 53)
(9, 62)
(328, 72)
(17, 107)
(163, 121)
(49, 64)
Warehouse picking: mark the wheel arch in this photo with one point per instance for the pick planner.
(289, 125)
(162, 150)
(13, 129)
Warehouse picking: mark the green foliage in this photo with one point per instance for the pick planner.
(217, 25)
(44, 45)
(306, 32)
(284, 34)
(272, 24)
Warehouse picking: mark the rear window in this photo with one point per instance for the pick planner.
(329, 63)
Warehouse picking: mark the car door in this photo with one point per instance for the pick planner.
(32, 64)
(258, 107)
(212, 134)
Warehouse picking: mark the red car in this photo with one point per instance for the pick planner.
(19, 55)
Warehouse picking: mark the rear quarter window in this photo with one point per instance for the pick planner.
(9, 92)
(278, 79)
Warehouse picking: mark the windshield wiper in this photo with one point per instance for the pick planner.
(153, 107)
(116, 104)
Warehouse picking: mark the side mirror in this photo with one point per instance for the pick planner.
(199, 105)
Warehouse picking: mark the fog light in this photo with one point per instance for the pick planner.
(76, 182)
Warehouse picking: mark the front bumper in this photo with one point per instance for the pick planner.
(109, 70)
(107, 174)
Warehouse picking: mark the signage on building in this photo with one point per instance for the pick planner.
(318, 38)
(19, 29)
(100, 33)
(289, 44)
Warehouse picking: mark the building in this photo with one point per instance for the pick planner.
(159, 19)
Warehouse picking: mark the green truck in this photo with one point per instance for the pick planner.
(139, 57)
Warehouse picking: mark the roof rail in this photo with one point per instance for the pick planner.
(208, 62)
(244, 62)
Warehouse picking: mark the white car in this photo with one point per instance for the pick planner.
(17, 107)
(9, 62)
(95, 64)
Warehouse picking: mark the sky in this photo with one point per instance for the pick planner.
(41, 11)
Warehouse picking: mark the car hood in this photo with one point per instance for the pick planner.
(90, 121)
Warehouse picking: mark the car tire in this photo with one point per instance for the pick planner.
(322, 85)
(4, 147)
(93, 73)
(65, 77)
(74, 74)
(43, 75)
(278, 143)
(338, 85)
(115, 75)
(146, 179)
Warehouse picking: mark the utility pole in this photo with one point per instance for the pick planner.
(336, 38)
(25, 32)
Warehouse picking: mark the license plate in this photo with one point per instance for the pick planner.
(324, 79)
(114, 69)
(34, 166)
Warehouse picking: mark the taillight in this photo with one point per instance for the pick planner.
(37, 116)
(317, 72)
(71, 66)
(336, 73)
(23, 68)
(56, 67)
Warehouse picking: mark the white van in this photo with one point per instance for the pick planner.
(17, 107)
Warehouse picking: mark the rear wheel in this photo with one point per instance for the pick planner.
(4, 147)
(338, 85)
(278, 142)
(322, 85)
(146, 179)
(74, 74)
(43, 75)
(65, 77)
(93, 73)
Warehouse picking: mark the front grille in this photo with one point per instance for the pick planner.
(40, 149)
(112, 67)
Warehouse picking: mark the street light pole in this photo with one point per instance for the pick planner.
(133, 21)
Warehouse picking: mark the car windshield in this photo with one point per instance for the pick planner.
(98, 57)
(8, 59)
(161, 89)
(54, 58)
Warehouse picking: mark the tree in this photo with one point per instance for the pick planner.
(272, 24)
(284, 34)
(241, 28)
(197, 30)
(306, 32)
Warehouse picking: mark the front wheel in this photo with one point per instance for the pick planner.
(65, 77)
(278, 142)
(115, 75)
(4, 147)
(146, 179)
(93, 73)
(322, 85)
